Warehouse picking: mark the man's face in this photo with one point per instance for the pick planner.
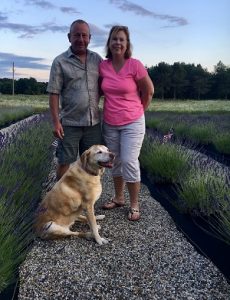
(79, 38)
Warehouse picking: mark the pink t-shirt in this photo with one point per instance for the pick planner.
(122, 104)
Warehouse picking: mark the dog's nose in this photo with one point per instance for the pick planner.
(111, 155)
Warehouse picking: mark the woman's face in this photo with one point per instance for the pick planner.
(118, 43)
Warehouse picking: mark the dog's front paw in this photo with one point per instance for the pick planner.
(101, 241)
(100, 217)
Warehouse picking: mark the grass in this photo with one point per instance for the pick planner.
(191, 106)
(35, 101)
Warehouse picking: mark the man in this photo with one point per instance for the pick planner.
(74, 83)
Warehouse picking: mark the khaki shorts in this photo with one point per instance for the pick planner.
(76, 140)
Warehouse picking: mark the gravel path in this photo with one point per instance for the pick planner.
(149, 259)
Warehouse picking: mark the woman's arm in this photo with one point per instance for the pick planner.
(146, 89)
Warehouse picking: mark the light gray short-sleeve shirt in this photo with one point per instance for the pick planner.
(77, 85)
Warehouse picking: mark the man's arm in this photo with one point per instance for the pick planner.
(54, 110)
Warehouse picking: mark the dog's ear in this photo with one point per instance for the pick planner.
(84, 158)
(86, 165)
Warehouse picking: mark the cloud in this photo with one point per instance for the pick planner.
(125, 5)
(40, 3)
(69, 10)
(29, 31)
(49, 5)
(99, 36)
(25, 62)
(2, 17)
(109, 26)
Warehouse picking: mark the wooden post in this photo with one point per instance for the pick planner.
(13, 81)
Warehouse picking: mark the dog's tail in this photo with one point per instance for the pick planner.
(43, 231)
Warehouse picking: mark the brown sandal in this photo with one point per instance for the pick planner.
(112, 204)
(134, 214)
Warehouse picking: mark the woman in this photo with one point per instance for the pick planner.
(128, 91)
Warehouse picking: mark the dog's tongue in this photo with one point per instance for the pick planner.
(106, 164)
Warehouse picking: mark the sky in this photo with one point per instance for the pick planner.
(34, 32)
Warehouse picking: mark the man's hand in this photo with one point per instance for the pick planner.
(58, 131)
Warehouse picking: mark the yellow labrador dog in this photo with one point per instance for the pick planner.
(77, 191)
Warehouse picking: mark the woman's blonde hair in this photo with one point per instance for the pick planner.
(116, 29)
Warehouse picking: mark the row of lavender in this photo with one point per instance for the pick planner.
(26, 155)
(201, 185)
(208, 130)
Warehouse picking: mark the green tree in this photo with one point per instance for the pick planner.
(179, 81)
(6, 86)
(26, 86)
(200, 81)
(222, 81)
(161, 77)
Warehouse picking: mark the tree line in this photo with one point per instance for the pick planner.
(27, 86)
(187, 81)
(177, 81)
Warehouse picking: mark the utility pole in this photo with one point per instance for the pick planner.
(13, 81)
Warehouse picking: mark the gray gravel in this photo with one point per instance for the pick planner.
(149, 259)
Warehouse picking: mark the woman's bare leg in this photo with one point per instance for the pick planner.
(134, 189)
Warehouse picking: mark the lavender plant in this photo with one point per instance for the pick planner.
(9, 114)
(202, 133)
(220, 224)
(222, 142)
(27, 160)
(202, 193)
(203, 128)
(166, 162)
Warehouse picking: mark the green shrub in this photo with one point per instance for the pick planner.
(202, 133)
(221, 223)
(165, 162)
(201, 192)
(181, 129)
(11, 114)
(152, 123)
(222, 142)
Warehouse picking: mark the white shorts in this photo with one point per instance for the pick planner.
(126, 141)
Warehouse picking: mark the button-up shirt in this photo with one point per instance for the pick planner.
(77, 85)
